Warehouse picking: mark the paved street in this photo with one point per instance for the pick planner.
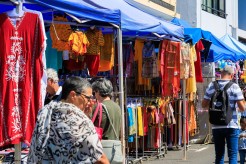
(196, 154)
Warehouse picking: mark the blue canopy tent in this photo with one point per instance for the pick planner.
(181, 22)
(134, 20)
(77, 8)
(234, 44)
(218, 50)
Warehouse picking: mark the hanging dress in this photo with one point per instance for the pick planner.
(21, 70)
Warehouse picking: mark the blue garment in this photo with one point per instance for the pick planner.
(229, 136)
(235, 94)
(242, 141)
(242, 154)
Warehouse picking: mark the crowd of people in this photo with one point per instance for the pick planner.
(64, 132)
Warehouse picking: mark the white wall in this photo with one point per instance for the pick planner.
(213, 23)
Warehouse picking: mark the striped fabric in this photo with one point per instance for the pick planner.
(235, 94)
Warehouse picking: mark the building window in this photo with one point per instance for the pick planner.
(216, 7)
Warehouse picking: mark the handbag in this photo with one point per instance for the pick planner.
(99, 130)
(112, 148)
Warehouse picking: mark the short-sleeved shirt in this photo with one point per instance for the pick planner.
(234, 93)
(64, 134)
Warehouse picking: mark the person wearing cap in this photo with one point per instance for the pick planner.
(53, 90)
(228, 133)
(103, 89)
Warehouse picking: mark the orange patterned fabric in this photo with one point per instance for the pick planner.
(170, 67)
(107, 55)
(96, 40)
(59, 34)
(78, 42)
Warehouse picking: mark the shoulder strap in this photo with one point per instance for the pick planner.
(98, 108)
(228, 85)
(106, 110)
(216, 85)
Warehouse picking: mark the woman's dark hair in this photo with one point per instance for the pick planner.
(76, 84)
(103, 86)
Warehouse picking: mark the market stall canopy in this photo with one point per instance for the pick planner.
(219, 50)
(234, 44)
(181, 22)
(77, 8)
(134, 20)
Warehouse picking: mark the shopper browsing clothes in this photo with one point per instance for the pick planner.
(242, 140)
(53, 90)
(103, 89)
(227, 133)
(63, 133)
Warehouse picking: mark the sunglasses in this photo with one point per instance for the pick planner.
(86, 96)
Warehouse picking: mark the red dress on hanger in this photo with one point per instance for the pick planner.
(21, 47)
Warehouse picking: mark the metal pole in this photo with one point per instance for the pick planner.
(18, 153)
(121, 90)
(184, 112)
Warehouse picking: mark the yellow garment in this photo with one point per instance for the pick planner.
(59, 34)
(78, 42)
(140, 122)
(139, 44)
(191, 81)
(96, 40)
(107, 55)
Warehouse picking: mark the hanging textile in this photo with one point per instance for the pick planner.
(60, 33)
(170, 67)
(191, 81)
(21, 68)
(107, 55)
(92, 57)
(150, 69)
(198, 66)
(185, 68)
(78, 42)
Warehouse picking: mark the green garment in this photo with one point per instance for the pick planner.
(115, 116)
(53, 57)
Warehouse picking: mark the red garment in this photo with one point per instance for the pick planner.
(170, 67)
(145, 120)
(92, 63)
(198, 67)
(21, 68)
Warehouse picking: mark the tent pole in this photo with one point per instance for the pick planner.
(185, 117)
(121, 89)
(17, 153)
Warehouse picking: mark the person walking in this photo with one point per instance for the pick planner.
(103, 89)
(53, 90)
(226, 133)
(242, 140)
(63, 133)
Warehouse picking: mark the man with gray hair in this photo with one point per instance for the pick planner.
(53, 90)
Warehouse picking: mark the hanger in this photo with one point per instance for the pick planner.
(17, 12)
(93, 27)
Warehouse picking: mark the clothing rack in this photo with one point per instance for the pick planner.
(159, 152)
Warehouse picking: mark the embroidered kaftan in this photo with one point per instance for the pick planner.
(20, 77)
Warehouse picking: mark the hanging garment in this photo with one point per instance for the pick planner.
(92, 63)
(205, 52)
(198, 67)
(78, 42)
(96, 40)
(21, 68)
(191, 81)
(129, 63)
(107, 55)
(139, 44)
(170, 67)
(192, 121)
(140, 121)
(60, 33)
(185, 61)
(150, 69)
(44, 78)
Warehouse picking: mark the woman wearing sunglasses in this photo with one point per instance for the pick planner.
(63, 133)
